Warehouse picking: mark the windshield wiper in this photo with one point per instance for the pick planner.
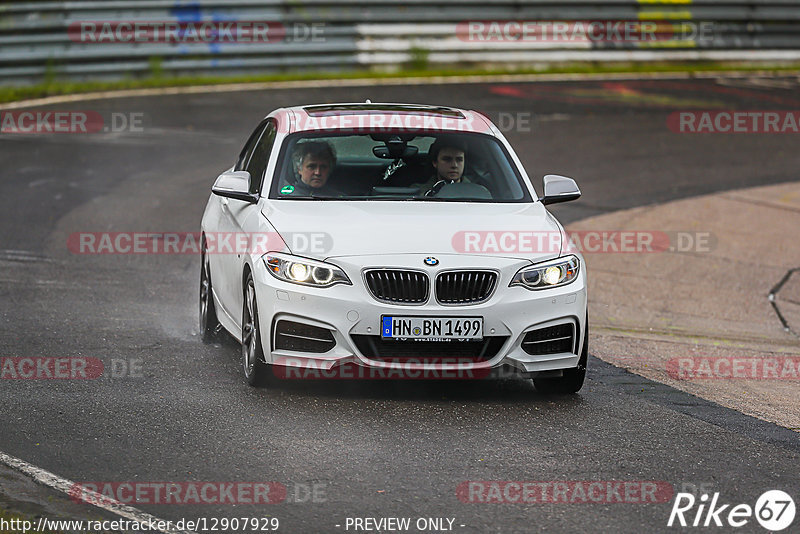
(376, 197)
(312, 197)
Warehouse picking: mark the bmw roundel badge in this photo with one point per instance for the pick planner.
(430, 260)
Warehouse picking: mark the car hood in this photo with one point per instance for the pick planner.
(327, 229)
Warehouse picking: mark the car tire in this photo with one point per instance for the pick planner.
(572, 379)
(255, 369)
(209, 324)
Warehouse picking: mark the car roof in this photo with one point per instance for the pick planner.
(369, 117)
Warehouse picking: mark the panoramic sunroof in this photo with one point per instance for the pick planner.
(371, 109)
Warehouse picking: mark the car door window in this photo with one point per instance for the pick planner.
(247, 151)
(257, 163)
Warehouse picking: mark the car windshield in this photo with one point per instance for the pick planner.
(414, 166)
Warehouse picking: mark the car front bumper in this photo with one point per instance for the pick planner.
(350, 311)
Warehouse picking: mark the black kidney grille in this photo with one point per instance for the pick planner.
(398, 286)
(465, 287)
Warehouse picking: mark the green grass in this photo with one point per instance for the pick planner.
(52, 86)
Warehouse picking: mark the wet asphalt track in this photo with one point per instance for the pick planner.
(379, 448)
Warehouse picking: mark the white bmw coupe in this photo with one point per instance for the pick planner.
(393, 237)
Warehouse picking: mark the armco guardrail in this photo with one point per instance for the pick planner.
(115, 39)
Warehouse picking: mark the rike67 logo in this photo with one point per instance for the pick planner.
(774, 510)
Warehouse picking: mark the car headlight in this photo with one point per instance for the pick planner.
(304, 271)
(554, 273)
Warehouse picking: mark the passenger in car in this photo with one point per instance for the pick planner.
(314, 161)
(448, 158)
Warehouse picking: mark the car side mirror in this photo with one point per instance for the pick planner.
(234, 184)
(559, 189)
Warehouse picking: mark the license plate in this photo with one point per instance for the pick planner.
(431, 328)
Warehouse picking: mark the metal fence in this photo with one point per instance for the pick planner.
(92, 39)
